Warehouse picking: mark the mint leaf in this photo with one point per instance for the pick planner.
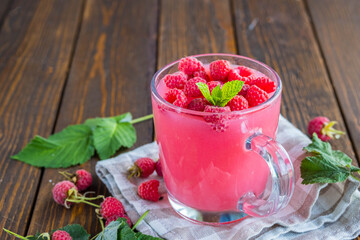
(110, 135)
(205, 92)
(76, 231)
(229, 91)
(71, 146)
(318, 169)
(216, 94)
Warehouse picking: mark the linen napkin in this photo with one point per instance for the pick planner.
(314, 212)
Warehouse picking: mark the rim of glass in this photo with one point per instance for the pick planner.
(193, 112)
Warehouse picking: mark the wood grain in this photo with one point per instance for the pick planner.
(192, 27)
(113, 64)
(279, 33)
(36, 41)
(338, 30)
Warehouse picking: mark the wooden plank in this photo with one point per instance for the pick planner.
(111, 72)
(4, 7)
(36, 41)
(192, 27)
(279, 33)
(338, 30)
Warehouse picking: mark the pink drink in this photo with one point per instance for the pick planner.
(206, 169)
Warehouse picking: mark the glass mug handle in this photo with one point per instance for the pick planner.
(282, 176)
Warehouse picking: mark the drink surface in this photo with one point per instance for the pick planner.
(208, 169)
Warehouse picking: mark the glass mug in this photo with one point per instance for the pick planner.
(221, 172)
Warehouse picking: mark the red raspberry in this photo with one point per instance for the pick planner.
(191, 89)
(83, 179)
(323, 128)
(189, 65)
(244, 90)
(158, 168)
(213, 84)
(219, 70)
(238, 103)
(61, 192)
(264, 83)
(218, 121)
(176, 97)
(198, 104)
(201, 74)
(111, 207)
(143, 167)
(175, 80)
(60, 235)
(149, 190)
(256, 96)
(115, 217)
(240, 73)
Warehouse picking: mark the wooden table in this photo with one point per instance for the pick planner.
(64, 61)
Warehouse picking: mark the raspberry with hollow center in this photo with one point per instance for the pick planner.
(191, 89)
(240, 73)
(219, 70)
(175, 80)
(176, 97)
(244, 90)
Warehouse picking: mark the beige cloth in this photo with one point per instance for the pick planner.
(314, 212)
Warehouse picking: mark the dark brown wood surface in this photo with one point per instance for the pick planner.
(62, 62)
(337, 26)
(110, 74)
(36, 41)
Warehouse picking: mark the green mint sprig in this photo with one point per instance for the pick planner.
(326, 165)
(77, 143)
(221, 96)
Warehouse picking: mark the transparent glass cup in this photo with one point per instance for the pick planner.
(222, 171)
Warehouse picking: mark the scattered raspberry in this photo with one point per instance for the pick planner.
(176, 97)
(61, 192)
(323, 128)
(175, 80)
(244, 90)
(60, 235)
(240, 73)
(218, 121)
(238, 103)
(198, 104)
(219, 70)
(158, 168)
(191, 89)
(264, 83)
(256, 96)
(143, 167)
(213, 84)
(115, 217)
(83, 179)
(149, 190)
(111, 207)
(190, 65)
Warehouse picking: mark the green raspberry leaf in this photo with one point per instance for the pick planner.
(76, 231)
(229, 91)
(205, 92)
(125, 232)
(72, 146)
(110, 135)
(93, 122)
(141, 236)
(318, 169)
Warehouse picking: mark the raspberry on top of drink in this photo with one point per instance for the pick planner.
(192, 87)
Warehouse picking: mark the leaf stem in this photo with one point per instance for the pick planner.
(140, 119)
(15, 234)
(83, 201)
(356, 178)
(140, 219)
